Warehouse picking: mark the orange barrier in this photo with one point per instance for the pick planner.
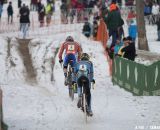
(102, 33)
(102, 36)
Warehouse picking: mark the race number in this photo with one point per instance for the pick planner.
(71, 48)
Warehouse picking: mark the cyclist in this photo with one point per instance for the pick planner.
(71, 48)
(83, 76)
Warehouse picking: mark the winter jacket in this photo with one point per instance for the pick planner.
(147, 10)
(132, 30)
(117, 48)
(10, 10)
(155, 9)
(87, 28)
(88, 65)
(129, 51)
(113, 20)
(24, 15)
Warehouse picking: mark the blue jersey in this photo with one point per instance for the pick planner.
(83, 68)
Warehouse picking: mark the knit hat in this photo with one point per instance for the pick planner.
(113, 7)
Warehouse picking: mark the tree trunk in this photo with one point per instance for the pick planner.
(142, 39)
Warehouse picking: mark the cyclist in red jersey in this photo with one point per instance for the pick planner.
(72, 53)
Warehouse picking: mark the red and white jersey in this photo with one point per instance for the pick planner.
(70, 48)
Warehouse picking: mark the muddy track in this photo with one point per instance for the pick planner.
(27, 60)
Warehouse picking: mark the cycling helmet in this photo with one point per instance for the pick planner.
(85, 56)
(69, 39)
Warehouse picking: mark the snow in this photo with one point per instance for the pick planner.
(47, 106)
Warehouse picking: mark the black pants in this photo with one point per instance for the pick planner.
(83, 81)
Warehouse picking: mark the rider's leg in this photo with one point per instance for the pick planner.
(88, 95)
(65, 64)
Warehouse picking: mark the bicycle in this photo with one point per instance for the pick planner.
(69, 81)
(83, 101)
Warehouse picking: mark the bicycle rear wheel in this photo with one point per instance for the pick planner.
(85, 107)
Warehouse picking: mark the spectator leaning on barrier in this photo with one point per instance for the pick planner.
(124, 44)
(158, 29)
(129, 50)
(24, 20)
(10, 12)
(117, 47)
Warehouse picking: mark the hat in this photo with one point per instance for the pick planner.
(129, 38)
(113, 7)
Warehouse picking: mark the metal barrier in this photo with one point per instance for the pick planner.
(139, 79)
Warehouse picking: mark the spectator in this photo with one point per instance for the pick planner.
(121, 30)
(10, 12)
(131, 15)
(24, 20)
(1, 9)
(34, 5)
(48, 13)
(124, 44)
(41, 13)
(95, 29)
(87, 28)
(129, 50)
(113, 22)
(117, 47)
(19, 3)
(64, 13)
(133, 29)
(155, 12)
(158, 29)
(147, 9)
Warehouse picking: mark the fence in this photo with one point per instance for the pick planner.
(139, 79)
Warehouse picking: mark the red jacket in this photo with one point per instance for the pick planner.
(70, 48)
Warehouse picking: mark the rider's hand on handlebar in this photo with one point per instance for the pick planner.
(60, 61)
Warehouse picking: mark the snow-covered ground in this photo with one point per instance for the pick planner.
(47, 106)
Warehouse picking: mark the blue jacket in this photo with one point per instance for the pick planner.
(117, 47)
(89, 67)
(147, 10)
(132, 30)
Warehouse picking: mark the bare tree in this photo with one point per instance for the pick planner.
(142, 39)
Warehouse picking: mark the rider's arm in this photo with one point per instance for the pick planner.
(61, 52)
(91, 72)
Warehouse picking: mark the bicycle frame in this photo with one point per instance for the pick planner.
(69, 78)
